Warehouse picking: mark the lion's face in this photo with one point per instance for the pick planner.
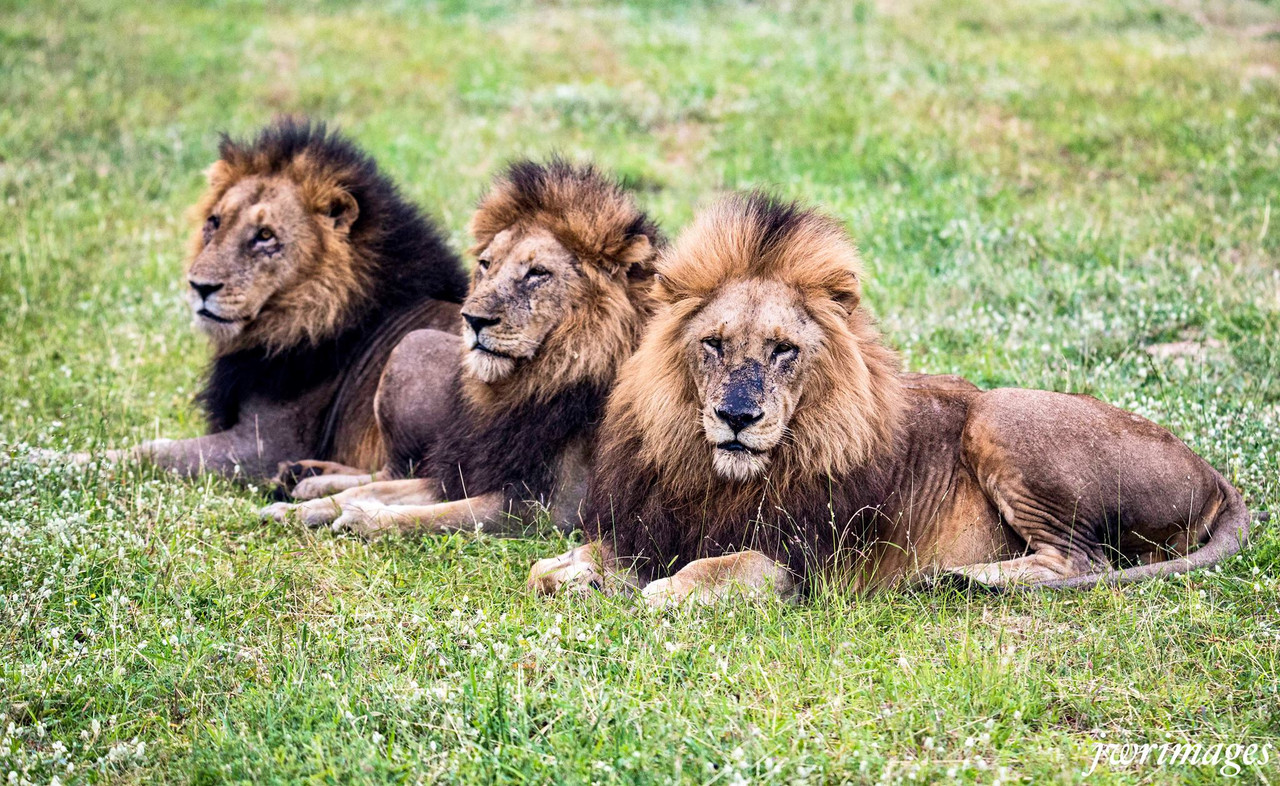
(525, 281)
(259, 240)
(748, 350)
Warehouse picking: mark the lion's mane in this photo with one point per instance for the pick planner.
(654, 495)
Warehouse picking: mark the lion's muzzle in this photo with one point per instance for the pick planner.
(737, 424)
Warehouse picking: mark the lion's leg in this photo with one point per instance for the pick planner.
(300, 470)
(328, 485)
(309, 479)
(325, 510)
(1079, 480)
(487, 513)
(250, 450)
(744, 574)
(1058, 545)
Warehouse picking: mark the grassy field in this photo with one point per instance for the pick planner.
(1080, 197)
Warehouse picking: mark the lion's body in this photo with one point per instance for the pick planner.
(932, 499)
(307, 271)
(558, 301)
(762, 414)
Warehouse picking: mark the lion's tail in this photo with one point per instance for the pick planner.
(1227, 535)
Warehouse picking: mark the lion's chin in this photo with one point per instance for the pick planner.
(739, 465)
(219, 332)
(488, 367)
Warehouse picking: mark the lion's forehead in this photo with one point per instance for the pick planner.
(757, 310)
(510, 254)
(521, 245)
(260, 200)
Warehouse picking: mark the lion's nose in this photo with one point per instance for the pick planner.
(479, 323)
(739, 417)
(204, 290)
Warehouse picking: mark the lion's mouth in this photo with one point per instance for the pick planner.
(734, 446)
(212, 317)
(478, 347)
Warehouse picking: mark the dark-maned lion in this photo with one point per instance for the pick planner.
(561, 290)
(760, 437)
(307, 269)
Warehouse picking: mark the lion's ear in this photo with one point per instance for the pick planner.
(847, 293)
(343, 211)
(634, 256)
(635, 250)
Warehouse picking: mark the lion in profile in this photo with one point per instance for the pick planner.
(760, 438)
(559, 295)
(307, 269)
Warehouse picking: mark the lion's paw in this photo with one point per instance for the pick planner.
(368, 520)
(278, 512)
(313, 513)
(666, 593)
(319, 486)
(573, 571)
(313, 487)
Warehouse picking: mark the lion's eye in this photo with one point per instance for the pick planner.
(537, 271)
(483, 264)
(264, 235)
(214, 222)
(784, 350)
(712, 343)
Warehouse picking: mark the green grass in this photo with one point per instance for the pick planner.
(1043, 191)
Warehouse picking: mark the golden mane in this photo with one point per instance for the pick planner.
(850, 407)
(596, 219)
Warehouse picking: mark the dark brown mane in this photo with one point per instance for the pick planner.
(590, 213)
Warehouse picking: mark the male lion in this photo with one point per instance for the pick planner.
(307, 269)
(559, 296)
(760, 437)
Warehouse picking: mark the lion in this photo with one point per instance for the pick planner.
(760, 439)
(308, 267)
(560, 293)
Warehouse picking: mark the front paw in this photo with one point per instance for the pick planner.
(572, 571)
(369, 521)
(279, 512)
(288, 475)
(319, 486)
(315, 513)
(665, 593)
